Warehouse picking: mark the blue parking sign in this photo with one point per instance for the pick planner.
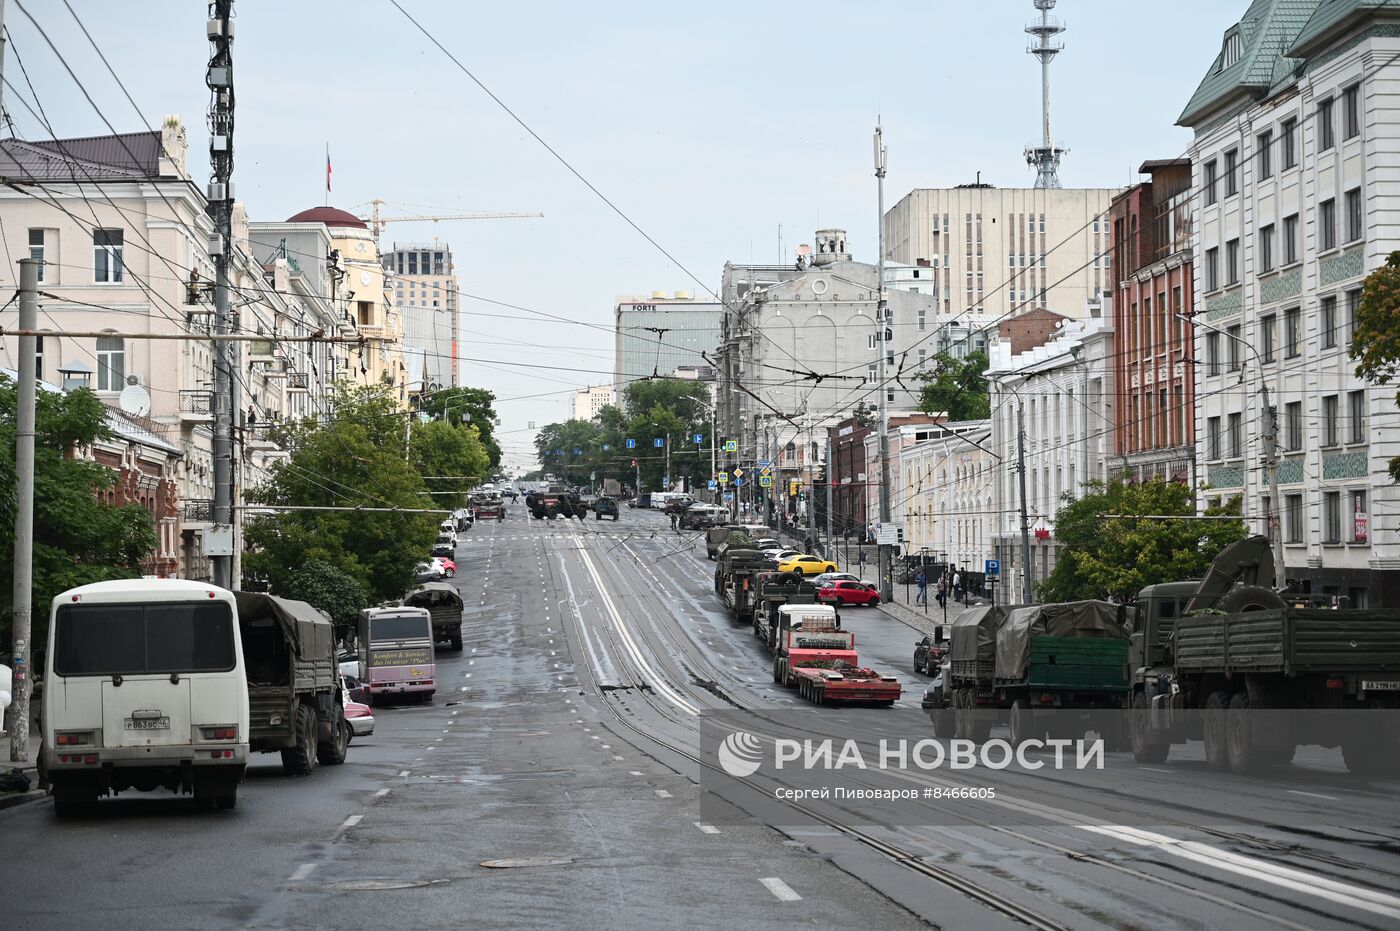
(993, 569)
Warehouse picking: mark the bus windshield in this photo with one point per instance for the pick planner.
(400, 627)
(130, 639)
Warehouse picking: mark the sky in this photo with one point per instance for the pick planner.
(711, 126)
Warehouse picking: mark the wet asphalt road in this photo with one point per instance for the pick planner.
(541, 747)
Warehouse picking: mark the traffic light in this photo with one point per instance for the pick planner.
(793, 485)
(634, 463)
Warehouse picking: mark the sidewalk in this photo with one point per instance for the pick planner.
(912, 615)
(27, 767)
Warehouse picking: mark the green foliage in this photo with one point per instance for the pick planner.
(357, 458)
(473, 406)
(439, 448)
(957, 387)
(1375, 341)
(77, 538)
(322, 585)
(1103, 557)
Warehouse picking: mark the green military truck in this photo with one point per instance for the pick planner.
(295, 703)
(738, 565)
(1254, 673)
(771, 591)
(1058, 659)
(969, 701)
(715, 537)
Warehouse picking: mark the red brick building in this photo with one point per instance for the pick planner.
(850, 477)
(1153, 377)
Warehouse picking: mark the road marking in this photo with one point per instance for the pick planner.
(1155, 769)
(617, 757)
(1330, 798)
(403, 773)
(351, 821)
(662, 793)
(595, 737)
(471, 662)
(466, 675)
(635, 772)
(606, 747)
(301, 872)
(381, 793)
(706, 828)
(781, 890)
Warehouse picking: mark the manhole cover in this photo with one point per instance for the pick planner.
(383, 885)
(516, 862)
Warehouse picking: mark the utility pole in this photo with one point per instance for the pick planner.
(1028, 583)
(830, 539)
(882, 331)
(2, 63)
(666, 482)
(220, 81)
(1271, 464)
(714, 450)
(23, 592)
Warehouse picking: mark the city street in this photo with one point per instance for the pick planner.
(543, 756)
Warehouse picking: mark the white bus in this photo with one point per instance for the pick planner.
(144, 689)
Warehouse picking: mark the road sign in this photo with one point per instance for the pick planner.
(577, 451)
(658, 442)
(993, 569)
(767, 471)
(887, 535)
(722, 478)
(738, 473)
(712, 484)
(699, 438)
(606, 447)
(731, 446)
(765, 481)
(764, 465)
(631, 444)
(729, 496)
(738, 482)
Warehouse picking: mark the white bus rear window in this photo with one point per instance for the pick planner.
(131, 639)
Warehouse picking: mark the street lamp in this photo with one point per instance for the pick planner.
(1270, 447)
(1027, 587)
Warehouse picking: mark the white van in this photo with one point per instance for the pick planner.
(144, 689)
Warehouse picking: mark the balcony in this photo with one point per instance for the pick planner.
(260, 350)
(297, 381)
(196, 405)
(199, 510)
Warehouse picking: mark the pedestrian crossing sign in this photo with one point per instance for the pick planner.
(765, 481)
(731, 446)
(722, 477)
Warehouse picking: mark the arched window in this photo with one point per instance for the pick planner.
(111, 363)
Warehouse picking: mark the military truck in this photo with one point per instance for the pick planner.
(444, 606)
(1253, 672)
(967, 685)
(716, 536)
(738, 563)
(556, 502)
(295, 704)
(771, 592)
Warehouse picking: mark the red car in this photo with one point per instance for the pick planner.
(848, 593)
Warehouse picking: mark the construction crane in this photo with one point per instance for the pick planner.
(376, 222)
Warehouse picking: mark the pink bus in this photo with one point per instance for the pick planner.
(396, 652)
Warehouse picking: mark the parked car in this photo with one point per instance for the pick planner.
(605, 507)
(928, 656)
(807, 565)
(360, 718)
(835, 577)
(446, 545)
(355, 690)
(427, 572)
(848, 593)
(445, 565)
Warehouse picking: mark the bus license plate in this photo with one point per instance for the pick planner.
(1378, 686)
(148, 724)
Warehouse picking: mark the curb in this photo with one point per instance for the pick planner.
(12, 799)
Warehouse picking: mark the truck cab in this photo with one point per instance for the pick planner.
(144, 689)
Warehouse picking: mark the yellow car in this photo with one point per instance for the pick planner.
(807, 565)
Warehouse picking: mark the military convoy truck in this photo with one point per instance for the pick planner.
(771, 591)
(715, 537)
(555, 502)
(295, 704)
(1254, 673)
(739, 563)
(444, 606)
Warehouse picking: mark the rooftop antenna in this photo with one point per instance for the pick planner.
(1045, 158)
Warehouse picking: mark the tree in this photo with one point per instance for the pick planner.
(77, 538)
(322, 585)
(1375, 341)
(440, 449)
(1115, 556)
(571, 450)
(356, 458)
(957, 387)
(469, 405)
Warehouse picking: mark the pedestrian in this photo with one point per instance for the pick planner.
(674, 518)
(922, 581)
(861, 552)
(943, 590)
(957, 585)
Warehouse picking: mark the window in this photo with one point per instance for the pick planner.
(1290, 239)
(872, 374)
(111, 363)
(1235, 434)
(923, 358)
(1358, 532)
(923, 320)
(1328, 324)
(1232, 172)
(1327, 225)
(1353, 305)
(1213, 438)
(1293, 424)
(1351, 112)
(39, 357)
(107, 256)
(1356, 416)
(1288, 132)
(1212, 268)
(1293, 518)
(1266, 248)
(1266, 154)
(1292, 335)
(1353, 208)
(1266, 337)
(1209, 182)
(1212, 353)
(1232, 262)
(1329, 421)
(1325, 137)
(36, 250)
(870, 341)
(102, 640)
(1233, 334)
(1331, 517)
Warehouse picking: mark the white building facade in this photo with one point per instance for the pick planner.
(1296, 198)
(946, 486)
(588, 402)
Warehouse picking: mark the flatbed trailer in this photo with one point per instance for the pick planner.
(843, 683)
(808, 635)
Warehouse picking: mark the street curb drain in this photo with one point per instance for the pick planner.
(518, 862)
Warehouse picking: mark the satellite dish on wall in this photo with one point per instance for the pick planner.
(135, 400)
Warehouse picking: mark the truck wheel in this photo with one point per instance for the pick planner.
(457, 642)
(1243, 598)
(300, 760)
(72, 800)
(1145, 749)
(942, 722)
(227, 801)
(1022, 722)
(332, 753)
(1213, 723)
(1239, 737)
